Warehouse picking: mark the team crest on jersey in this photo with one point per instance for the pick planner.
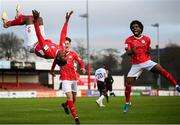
(29, 29)
(143, 41)
(69, 56)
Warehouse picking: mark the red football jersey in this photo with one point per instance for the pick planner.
(141, 46)
(46, 48)
(68, 72)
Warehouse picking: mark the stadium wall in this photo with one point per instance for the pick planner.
(80, 93)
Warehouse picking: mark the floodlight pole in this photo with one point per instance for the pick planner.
(86, 15)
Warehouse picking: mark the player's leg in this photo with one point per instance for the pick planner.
(128, 85)
(65, 107)
(110, 91)
(70, 91)
(107, 94)
(20, 20)
(133, 74)
(74, 96)
(29, 28)
(101, 89)
(103, 94)
(65, 87)
(71, 106)
(76, 119)
(30, 17)
(163, 72)
(98, 100)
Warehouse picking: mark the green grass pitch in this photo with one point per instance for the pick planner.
(144, 109)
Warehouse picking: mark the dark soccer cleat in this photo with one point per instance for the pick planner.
(112, 94)
(126, 107)
(97, 103)
(77, 122)
(66, 110)
(178, 88)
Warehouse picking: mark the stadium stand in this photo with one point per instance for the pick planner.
(23, 76)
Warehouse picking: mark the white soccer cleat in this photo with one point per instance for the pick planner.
(102, 105)
(18, 8)
(5, 19)
(4, 16)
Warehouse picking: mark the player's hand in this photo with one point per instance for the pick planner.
(68, 15)
(35, 14)
(52, 73)
(83, 70)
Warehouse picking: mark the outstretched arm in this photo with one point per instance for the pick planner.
(64, 30)
(36, 26)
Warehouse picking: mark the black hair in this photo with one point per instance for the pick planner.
(68, 39)
(105, 66)
(61, 62)
(137, 22)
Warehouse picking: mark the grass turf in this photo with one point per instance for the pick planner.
(144, 109)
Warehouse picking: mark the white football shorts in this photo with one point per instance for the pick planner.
(69, 86)
(137, 69)
(30, 35)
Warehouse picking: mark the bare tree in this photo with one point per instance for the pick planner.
(109, 57)
(10, 45)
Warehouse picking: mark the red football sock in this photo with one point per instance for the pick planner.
(72, 108)
(128, 93)
(168, 76)
(17, 21)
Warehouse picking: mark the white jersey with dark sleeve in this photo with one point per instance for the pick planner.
(100, 74)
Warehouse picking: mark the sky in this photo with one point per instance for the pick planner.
(108, 20)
